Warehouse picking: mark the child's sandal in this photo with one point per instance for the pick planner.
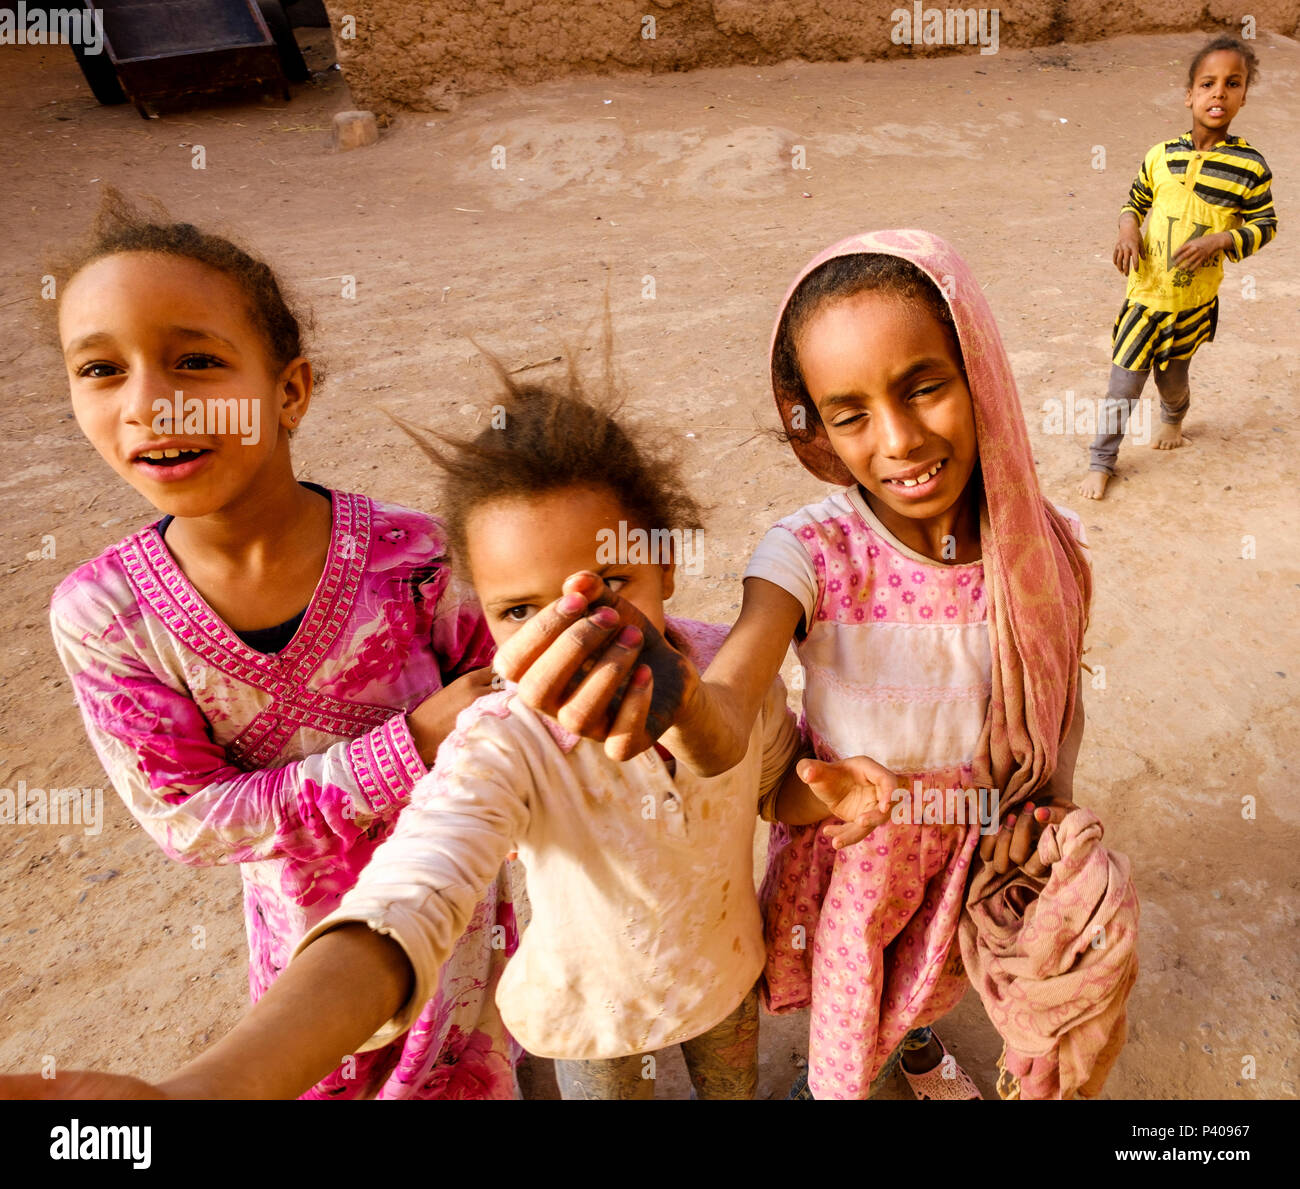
(933, 1086)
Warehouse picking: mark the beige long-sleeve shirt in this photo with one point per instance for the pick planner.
(645, 928)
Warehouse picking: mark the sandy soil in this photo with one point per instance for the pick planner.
(688, 179)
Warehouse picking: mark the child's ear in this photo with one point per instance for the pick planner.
(670, 579)
(295, 387)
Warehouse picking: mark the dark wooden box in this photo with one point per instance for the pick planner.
(163, 49)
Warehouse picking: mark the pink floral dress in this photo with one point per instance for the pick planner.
(295, 764)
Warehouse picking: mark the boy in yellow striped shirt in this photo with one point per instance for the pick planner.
(1206, 196)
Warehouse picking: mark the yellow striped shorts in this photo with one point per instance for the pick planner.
(1145, 338)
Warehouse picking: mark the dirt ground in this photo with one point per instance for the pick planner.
(688, 179)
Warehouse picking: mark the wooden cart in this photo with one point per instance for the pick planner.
(162, 49)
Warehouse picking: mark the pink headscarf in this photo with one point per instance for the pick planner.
(1039, 589)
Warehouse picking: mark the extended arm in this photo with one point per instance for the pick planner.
(326, 1004)
(711, 732)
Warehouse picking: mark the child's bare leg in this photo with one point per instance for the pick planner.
(613, 1079)
(723, 1062)
(1122, 394)
(1175, 397)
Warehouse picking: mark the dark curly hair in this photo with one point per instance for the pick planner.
(1237, 46)
(840, 278)
(549, 435)
(120, 226)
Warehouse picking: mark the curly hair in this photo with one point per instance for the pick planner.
(1237, 46)
(548, 435)
(120, 226)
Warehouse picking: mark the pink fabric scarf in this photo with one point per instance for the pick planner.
(1039, 589)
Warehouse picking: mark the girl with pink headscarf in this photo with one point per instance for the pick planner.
(938, 604)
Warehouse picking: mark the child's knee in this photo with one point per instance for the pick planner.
(1125, 384)
(1172, 379)
(1175, 394)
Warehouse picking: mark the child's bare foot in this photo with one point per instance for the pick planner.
(1093, 486)
(1168, 437)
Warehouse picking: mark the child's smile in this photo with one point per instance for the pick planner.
(918, 483)
(170, 460)
(888, 385)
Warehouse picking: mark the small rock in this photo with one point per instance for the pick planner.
(355, 130)
(103, 876)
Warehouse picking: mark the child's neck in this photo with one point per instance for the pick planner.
(1204, 139)
(952, 537)
(266, 521)
(258, 561)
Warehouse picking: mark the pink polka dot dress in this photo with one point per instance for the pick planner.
(897, 666)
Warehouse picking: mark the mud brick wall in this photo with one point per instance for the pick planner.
(427, 54)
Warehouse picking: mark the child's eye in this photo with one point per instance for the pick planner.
(844, 422)
(520, 613)
(615, 584)
(97, 370)
(198, 362)
(927, 391)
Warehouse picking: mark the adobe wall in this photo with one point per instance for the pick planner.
(427, 54)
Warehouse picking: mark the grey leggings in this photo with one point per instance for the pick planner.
(1122, 395)
(722, 1062)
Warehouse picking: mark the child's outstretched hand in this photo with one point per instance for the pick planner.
(857, 790)
(1016, 842)
(594, 663)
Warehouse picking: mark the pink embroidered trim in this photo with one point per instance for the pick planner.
(160, 584)
(386, 764)
(959, 773)
(897, 693)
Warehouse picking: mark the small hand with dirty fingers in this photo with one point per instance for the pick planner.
(1016, 842)
(857, 790)
(594, 663)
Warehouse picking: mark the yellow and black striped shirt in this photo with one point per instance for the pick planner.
(1232, 175)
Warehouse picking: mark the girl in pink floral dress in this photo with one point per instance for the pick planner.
(267, 671)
